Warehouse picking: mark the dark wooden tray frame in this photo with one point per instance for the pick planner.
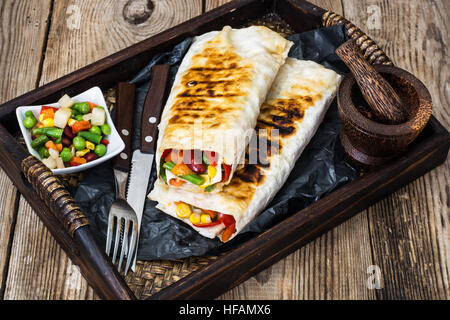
(428, 151)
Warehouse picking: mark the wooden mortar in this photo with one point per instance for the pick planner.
(368, 142)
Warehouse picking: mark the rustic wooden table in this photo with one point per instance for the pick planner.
(404, 239)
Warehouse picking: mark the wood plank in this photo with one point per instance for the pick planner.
(333, 266)
(86, 31)
(410, 229)
(23, 28)
(72, 44)
(39, 268)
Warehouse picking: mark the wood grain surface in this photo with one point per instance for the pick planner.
(405, 236)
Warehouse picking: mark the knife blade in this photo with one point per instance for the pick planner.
(142, 160)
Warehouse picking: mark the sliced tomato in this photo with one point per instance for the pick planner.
(227, 172)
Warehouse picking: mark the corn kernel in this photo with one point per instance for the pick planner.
(41, 117)
(90, 145)
(47, 122)
(205, 218)
(212, 171)
(183, 210)
(82, 153)
(194, 218)
(71, 122)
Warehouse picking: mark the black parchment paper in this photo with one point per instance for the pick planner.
(321, 168)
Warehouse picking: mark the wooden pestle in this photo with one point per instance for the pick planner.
(384, 102)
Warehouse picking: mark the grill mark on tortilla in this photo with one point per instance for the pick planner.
(282, 114)
(211, 89)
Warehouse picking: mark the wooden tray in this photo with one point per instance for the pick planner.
(203, 277)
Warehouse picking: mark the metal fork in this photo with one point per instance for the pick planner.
(122, 218)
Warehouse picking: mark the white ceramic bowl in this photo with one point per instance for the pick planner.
(94, 95)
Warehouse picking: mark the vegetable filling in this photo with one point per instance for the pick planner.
(69, 136)
(203, 169)
(203, 218)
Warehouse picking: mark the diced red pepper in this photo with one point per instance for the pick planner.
(47, 108)
(227, 169)
(81, 126)
(47, 113)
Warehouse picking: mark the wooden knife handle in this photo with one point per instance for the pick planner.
(379, 94)
(153, 106)
(125, 95)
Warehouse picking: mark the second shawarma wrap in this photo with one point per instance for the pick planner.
(215, 100)
(290, 116)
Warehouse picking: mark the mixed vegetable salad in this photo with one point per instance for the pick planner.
(69, 136)
(203, 169)
(202, 218)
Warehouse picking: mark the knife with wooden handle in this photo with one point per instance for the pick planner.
(142, 160)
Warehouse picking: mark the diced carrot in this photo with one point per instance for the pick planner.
(81, 126)
(59, 147)
(51, 145)
(176, 182)
(228, 232)
(181, 169)
(76, 161)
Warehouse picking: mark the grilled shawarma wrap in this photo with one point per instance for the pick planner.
(215, 100)
(295, 107)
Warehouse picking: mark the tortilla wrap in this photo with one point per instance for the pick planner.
(295, 107)
(217, 94)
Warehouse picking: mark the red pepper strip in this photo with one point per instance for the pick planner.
(227, 169)
(226, 219)
(228, 232)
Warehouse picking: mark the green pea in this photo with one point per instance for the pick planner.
(29, 113)
(100, 150)
(106, 129)
(43, 152)
(66, 155)
(95, 130)
(29, 122)
(79, 117)
(79, 143)
(82, 107)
